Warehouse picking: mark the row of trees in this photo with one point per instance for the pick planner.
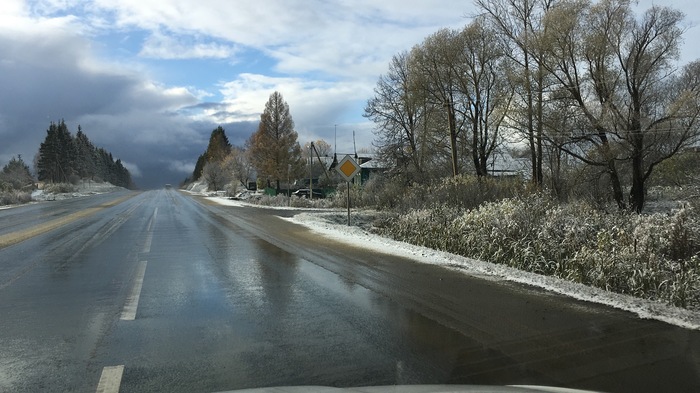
(272, 153)
(586, 80)
(64, 158)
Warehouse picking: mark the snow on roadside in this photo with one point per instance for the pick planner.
(239, 203)
(81, 190)
(358, 237)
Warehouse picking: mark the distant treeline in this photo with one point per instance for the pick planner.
(64, 158)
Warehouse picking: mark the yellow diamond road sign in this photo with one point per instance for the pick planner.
(348, 168)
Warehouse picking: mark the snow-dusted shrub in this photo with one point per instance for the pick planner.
(14, 197)
(340, 197)
(383, 192)
(59, 188)
(463, 192)
(267, 200)
(651, 256)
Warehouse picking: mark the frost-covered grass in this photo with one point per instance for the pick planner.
(294, 201)
(655, 256)
(14, 197)
(337, 199)
(463, 192)
(59, 188)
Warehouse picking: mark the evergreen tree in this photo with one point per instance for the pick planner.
(199, 167)
(57, 154)
(63, 158)
(85, 164)
(122, 177)
(16, 174)
(218, 148)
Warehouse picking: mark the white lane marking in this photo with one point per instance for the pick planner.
(132, 301)
(153, 219)
(147, 243)
(149, 234)
(111, 379)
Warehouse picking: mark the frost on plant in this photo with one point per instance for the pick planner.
(654, 256)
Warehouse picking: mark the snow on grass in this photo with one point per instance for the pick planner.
(242, 203)
(325, 223)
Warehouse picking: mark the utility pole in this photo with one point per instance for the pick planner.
(289, 191)
(311, 171)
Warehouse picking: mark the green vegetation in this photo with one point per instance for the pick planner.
(63, 158)
(16, 182)
(272, 152)
(590, 101)
(591, 95)
(649, 256)
(588, 87)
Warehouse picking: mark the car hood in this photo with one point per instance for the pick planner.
(414, 389)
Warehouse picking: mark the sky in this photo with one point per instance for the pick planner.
(150, 80)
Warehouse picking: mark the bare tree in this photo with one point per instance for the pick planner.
(619, 73)
(433, 62)
(215, 175)
(518, 22)
(479, 71)
(238, 165)
(398, 110)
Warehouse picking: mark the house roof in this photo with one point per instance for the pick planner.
(375, 164)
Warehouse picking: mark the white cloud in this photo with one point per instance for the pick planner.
(163, 46)
(339, 38)
(318, 108)
(133, 169)
(315, 106)
(11, 9)
(185, 167)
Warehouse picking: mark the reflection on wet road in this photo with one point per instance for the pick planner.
(166, 293)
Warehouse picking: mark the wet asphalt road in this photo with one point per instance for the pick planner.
(193, 297)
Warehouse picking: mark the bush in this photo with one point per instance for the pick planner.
(14, 197)
(282, 200)
(59, 188)
(463, 192)
(654, 256)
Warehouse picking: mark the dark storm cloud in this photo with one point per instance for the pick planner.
(205, 106)
(49, 77)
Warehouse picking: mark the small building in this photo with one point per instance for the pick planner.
(371, 166)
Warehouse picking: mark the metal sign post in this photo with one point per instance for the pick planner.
(348, 168)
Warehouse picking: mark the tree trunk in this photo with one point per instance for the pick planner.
(637, 196)
(636, 199)
(453, 137)
(476, 151)
(618, 195)
(483, 164)
(538, 137)
(530, 118)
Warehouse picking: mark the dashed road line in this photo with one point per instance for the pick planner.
(132, 301)
(149, 233)
(111, 379)
(20, 236)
